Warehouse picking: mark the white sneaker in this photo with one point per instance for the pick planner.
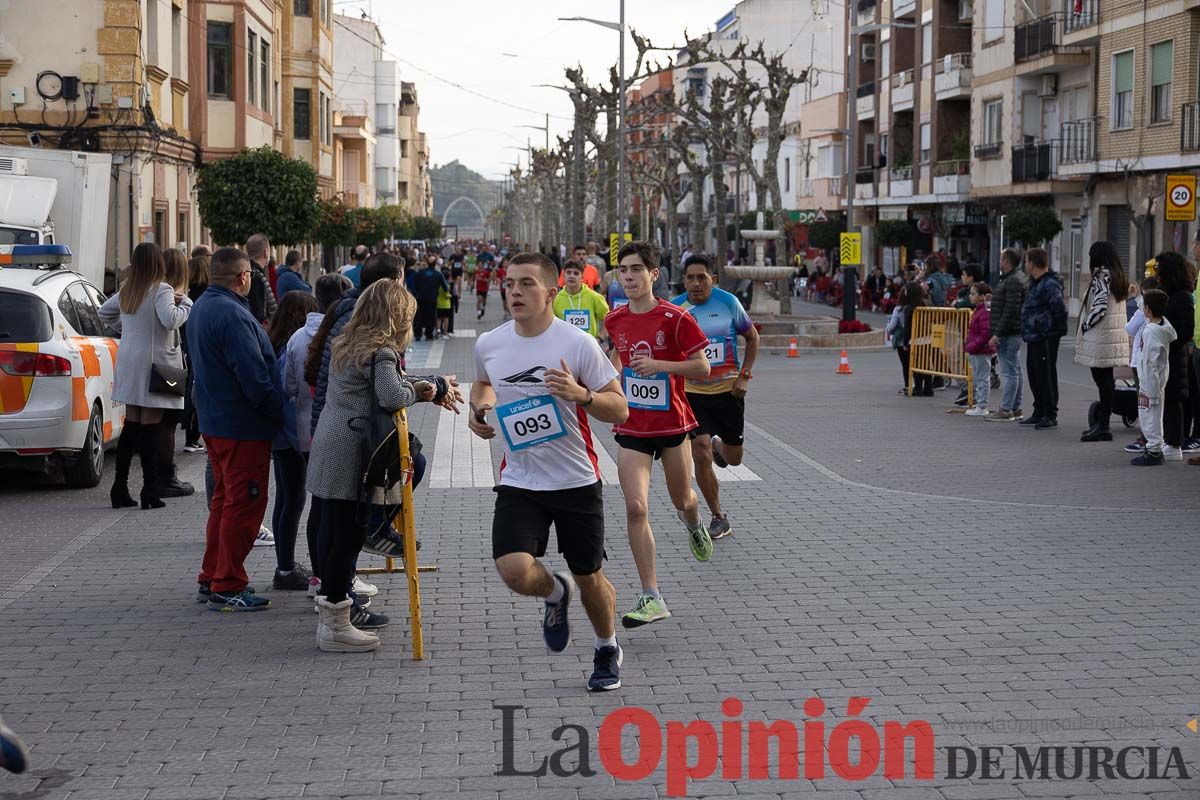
(1172, 453)
(977, 411)
(265, 538)
(361, 587)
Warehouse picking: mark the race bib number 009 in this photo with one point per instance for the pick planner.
(652, 393)
(581, 318)
(530, 422)
(714, 351)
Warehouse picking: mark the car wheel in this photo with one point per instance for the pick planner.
(85, 470)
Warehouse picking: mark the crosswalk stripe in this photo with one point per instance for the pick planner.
(608, 466)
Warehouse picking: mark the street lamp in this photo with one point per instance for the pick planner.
(619, 27)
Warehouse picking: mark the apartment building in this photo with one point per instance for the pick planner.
(910, 113)
(306, 89)
(416, 189)
(369, 90)
(115, 72)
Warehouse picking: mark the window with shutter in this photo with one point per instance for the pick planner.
(1162, 62)
(1122, 90)
(993, 20)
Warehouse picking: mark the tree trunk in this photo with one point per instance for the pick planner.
(578, 201)
(696, 174)
(720, 195)
(610, 183)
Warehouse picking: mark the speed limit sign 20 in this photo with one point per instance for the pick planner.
(1181, 198)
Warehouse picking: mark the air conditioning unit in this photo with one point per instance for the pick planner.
(1048, 86)
(868, 51)
(14, 166)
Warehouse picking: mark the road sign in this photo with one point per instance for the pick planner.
(1181, 198)
(821, 216)
(851, 249)
(614, 247)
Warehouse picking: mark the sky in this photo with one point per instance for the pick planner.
(465, 42)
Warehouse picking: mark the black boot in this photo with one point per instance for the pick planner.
(1097, 434)
(148, 450)
(126, 444)
(169, 484)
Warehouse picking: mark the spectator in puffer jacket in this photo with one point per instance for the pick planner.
(979, 346)
(1176, 279)
(1007, 299)
(1101, 342)
(1043, 323)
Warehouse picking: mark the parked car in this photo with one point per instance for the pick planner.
(56, 367)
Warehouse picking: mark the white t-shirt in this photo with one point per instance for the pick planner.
(547, 442)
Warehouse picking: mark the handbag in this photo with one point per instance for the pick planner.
(380, 446)
(168, 378)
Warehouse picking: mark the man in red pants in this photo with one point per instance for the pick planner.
(239, 402)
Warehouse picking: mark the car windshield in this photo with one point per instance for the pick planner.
(18, 236)
(24, 318)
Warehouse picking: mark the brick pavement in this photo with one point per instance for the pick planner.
(850, 574)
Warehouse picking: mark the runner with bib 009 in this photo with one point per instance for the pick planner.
(542, 377)
(657, 345)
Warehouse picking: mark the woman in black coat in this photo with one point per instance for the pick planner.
(1177, 280)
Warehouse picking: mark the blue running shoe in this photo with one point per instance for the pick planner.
(245, 600)
(606, 669)
(13, 755)
(555, 630)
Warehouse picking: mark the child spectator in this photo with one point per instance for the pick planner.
(979, 347)
(1134, 329)
(1153, 369)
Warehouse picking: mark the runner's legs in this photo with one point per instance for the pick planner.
(599, 601)
(710, 487)
(677, 464)
(525, 575)
(633, 471)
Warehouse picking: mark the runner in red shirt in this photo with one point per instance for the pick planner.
(501, 273)
(657, 346)
(483, 280)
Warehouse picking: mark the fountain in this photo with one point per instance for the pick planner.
(761, 304)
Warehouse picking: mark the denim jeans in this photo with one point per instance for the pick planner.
(290, 469)
(981, 370)
(1008, 364)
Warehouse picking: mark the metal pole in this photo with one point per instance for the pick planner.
(547, 132)
(849, 302)
(621, 220)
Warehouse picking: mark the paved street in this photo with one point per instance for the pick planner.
(1010, 587)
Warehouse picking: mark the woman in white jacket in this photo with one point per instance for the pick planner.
(1101, 342)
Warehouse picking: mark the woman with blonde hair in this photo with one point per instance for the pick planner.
(364, 373)
(148, 312)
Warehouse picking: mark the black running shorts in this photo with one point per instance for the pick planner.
(652, 446)
(523, 517)
(719, 415)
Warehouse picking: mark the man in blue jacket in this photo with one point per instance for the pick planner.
(239, 402)
(1043, 323)
(288, 276)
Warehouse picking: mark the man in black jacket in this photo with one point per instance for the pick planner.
(1043, 323)
(1007, 298)
(262, 299)
(426, 283)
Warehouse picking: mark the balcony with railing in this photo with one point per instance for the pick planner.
(902, 90)
(1080, 26)
(902, 8)
(1038, 47)
(1036, 161)
(953, 80)
(865, 104)
(804, 187)
(951, 177)
(1078, 142)
(989, 150)
(1189, 132)
(901, 181)
(864, 183)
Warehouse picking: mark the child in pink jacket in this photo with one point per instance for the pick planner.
(979, 348)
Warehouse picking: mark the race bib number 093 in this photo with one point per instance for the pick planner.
(652, 393)
(530, 422)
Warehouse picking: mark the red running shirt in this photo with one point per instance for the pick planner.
(667, 333)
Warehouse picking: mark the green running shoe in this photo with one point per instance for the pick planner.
(701, 542)
(648, 609)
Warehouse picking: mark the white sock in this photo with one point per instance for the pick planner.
(558, 592)
(609, 642)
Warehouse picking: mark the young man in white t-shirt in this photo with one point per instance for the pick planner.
(542, 377)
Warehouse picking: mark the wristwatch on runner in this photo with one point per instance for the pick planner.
(747, 374)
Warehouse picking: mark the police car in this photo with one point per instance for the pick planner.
(56, 367)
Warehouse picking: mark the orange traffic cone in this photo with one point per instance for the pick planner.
(844, 365)
(793, 350)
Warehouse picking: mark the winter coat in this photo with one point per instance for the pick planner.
(979, 333)
(1101, 340)
(1007, 299)
(1154, 351)
(294, 385)
(895, 327)
(939, 282)
(342, 313)
(262, 299)
(149, 335)
(1044, 313)
(290, 281)
(1133, 328)
(1179, 313)
(236, 381)
(286, 439)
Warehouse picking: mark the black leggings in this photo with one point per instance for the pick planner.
(346, 532)
(1103, 377)
(922, 384)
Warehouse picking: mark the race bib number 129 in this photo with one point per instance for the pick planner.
(652, 393)
(530, 422)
